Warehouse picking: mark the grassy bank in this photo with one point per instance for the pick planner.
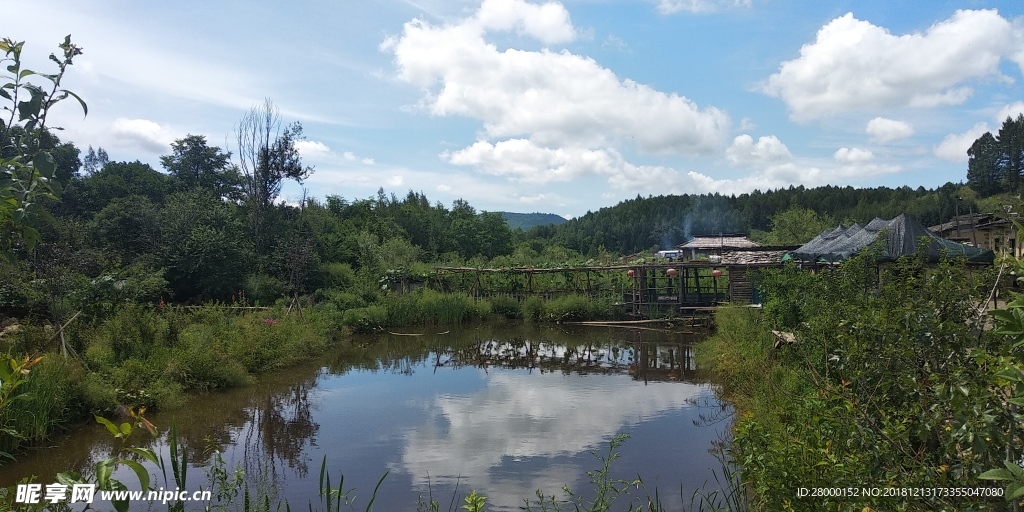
(426, 307)
(148, 357)
(152, 356)
(892, 383)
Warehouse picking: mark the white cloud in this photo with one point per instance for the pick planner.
(142, 133)
(512, 420)
(1012, 110)
(548, 23)
(768, 150)
(312, 149)
(395, 181)
(525, 161)
(319, 153)
(884, 130)
(697, 6)
(553, 98)
(747, 125)
(954, 147)
(853, 156)
(854, 64)
(533, 199)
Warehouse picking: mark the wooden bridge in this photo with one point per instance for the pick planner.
(643, 290)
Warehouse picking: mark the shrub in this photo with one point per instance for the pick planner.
(365, 319)
(506, 306)
(572, 308)
(532, 308)
(264, 289)
(336, 275)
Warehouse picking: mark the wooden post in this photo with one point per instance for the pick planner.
(696, 280)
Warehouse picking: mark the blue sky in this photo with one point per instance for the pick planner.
(559, 107)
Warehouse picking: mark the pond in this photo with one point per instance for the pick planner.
(503, 409)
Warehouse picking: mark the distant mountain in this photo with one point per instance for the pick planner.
(526, 221)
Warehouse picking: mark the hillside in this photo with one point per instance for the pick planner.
(640, 224)
(526, 221)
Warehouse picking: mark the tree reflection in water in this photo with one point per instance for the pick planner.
(279, 429)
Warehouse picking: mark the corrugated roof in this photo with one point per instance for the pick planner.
(719, 242)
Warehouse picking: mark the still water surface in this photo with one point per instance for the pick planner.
(503, 409)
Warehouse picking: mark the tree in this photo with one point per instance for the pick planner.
(1010, 159)
(267, 156)
(996, 163)
(28, 175)
(117, 179)
(196, 164)
(94, 160)
(797, 226)
(203, 245)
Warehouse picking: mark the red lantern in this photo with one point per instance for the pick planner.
(716, 273)
(671, 272)
(630, 273)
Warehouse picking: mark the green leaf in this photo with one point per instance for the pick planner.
(1015, 495)
(43, 161)
(29, 109)
(1015, 470)
(85, 108)
(110, 425)
(25, 72)
(69, 478)
(103, 470)
(1012, 374)
(145, 453)
(996, 474)
(126, 428)
(140, 471)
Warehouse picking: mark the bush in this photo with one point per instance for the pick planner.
(572, 308)
(264, 289)
(365, 319)
(532, 308)
(337, 275)
(506, 306)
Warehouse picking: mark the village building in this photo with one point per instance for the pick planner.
(985, 230)
(705, 246)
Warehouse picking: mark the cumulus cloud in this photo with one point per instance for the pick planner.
(1012, 111)
(854, 64)
(554, 99)
(312, 149)
(954, 147)
(142, 133)
(767, 151)
(513, 419)
(884, 130)
(319, 152)
(773, 167)
(697, 6)
(548, 23)
(525, 161)
(853, 156)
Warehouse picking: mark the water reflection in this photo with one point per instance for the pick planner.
(505, 410)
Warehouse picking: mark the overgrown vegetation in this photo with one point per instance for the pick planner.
(892, 382)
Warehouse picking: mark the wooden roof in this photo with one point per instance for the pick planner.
(719, 242)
